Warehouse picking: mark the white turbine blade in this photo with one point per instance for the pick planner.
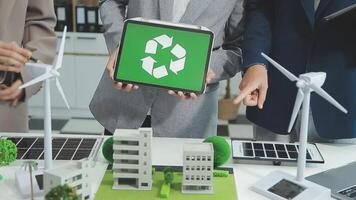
(36, 80)
(297, 105)
(327, 97)
(287, 73)
(60, 89)
(61, 50)
(38, 65)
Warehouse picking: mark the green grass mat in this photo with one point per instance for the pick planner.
(224, 189)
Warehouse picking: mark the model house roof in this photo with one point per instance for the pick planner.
(67, 169)
(130, 133)
(198, 147)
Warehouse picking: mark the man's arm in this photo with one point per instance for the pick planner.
(256, 39)
(257, 35)
(113, 15)
(39, 37)
(226, 61)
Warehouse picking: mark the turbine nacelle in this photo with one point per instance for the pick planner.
(55, 73)
(315, 78)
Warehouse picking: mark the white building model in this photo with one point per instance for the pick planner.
(198, 165)
(74, 174)
(132, 168)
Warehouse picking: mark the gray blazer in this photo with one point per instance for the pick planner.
(30, 23)
(171, 117)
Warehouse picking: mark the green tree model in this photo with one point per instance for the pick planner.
(30, 166)
(168, 175)
(62, 192)
(168, 179)
(222, 154)
(107, 150)
(8, 152)
(222, 150)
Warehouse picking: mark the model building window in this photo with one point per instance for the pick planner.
(198, 158)
(187, 178)
(125, 161)
(198, 168)
(144, 184)
(144, 173)
(193, 158)
(208, 178)
(78, 187)
(127, 152)
(192, 168)
(209, 158)
(192, 177)
(187, 158)
(203, 158)
(202, 168)
(203, 178)
(145, 154)
(77, 177)
(145, 144)
(130, 143)
(131, 171)
(198, 178)
(145, 163)
(208, 168)
(187, 168)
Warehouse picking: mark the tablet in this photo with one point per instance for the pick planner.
(162, 54)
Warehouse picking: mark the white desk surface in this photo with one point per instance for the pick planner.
(168, 151)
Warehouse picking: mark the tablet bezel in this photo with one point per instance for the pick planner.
(143, 22)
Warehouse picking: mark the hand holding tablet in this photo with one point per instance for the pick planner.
(160, 54)
(110, 67)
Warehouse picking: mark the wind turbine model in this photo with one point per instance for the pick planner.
(51, 73)
(282, 186)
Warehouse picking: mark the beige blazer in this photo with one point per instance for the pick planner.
(31, 24)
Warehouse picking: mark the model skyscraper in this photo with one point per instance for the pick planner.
(132, 167)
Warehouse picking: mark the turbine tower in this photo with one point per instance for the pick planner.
(298, 188)
(50, 74)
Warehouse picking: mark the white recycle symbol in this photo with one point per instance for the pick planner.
(175, 65)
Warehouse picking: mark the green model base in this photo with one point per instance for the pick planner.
(224, 189)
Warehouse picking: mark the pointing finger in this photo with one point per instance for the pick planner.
(262, 97)
(243, 93)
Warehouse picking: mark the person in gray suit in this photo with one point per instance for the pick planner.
(173, 114)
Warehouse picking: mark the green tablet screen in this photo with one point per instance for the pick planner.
(164, 56)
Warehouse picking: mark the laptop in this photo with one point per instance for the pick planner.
(341, 181)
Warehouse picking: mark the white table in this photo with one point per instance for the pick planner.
(168, 151)
(335, 155)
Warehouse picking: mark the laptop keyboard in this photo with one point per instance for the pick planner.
(349, 192)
